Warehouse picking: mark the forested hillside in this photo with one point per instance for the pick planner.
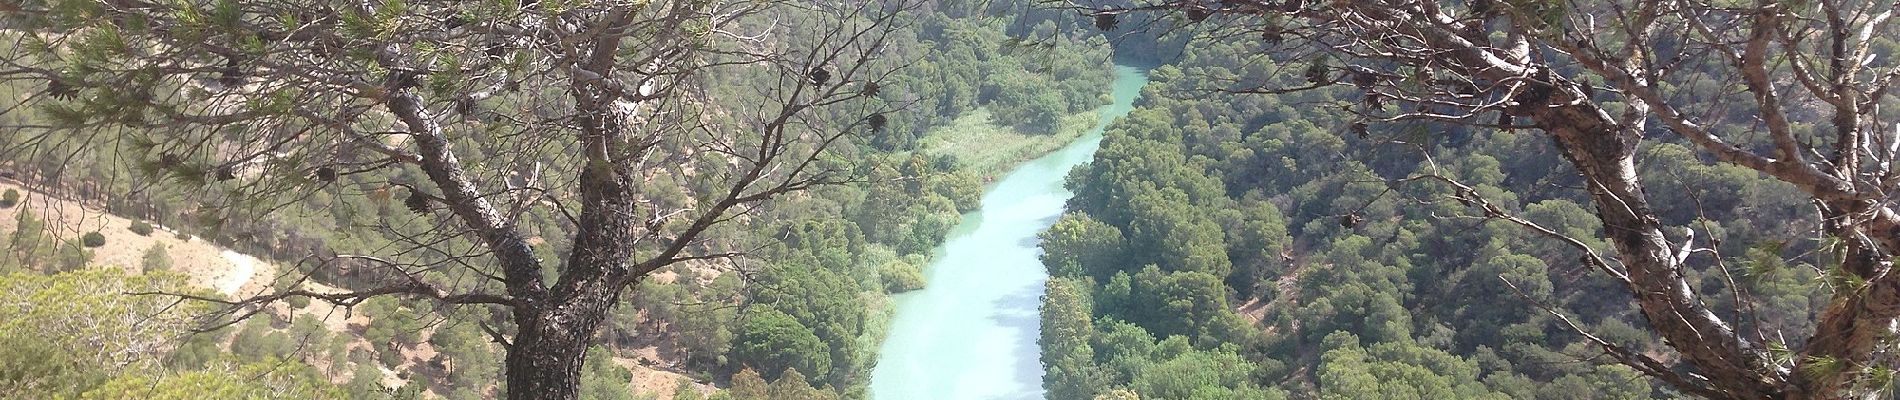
(800, 314)
(1293, 212)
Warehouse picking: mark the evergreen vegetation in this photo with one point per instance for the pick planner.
(1305, 197)
(141, 228)
(817, 269)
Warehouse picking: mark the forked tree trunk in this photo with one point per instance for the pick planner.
(550, 348)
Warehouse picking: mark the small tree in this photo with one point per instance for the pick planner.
(287, 282)
(71, 255)
(156, 258)
(9, 198)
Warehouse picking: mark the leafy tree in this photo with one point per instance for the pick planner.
(773, 341)
(684, 389)
(79, 334)
(72, 255)
(396, 328)
(1188, 303)
(706, 329)
(1257, 242)
(1032, 107)
(1078, 246)
(1395, 370)
(793, 385)
(33, 367)
(1200, 375)
(366, 382)
(200, 350)
(1604, 382)
(1067, 327)
(291, 98)
(748, 385)
(258, 341)
(156, 259)
(471, 363)
(823, 302)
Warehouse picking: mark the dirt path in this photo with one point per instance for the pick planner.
(243, 269)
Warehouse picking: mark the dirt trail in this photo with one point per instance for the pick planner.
(243, 269)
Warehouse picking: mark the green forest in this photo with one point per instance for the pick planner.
(803, 312)
(1233, 240)
(687, 199)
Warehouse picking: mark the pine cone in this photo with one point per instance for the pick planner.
(1106, 22)
(818, 76)
(326, 174)
(417, 202)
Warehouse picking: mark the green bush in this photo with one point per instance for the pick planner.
(156, 259)
(900, 276)
(140, 227)
(72, 257)
(93, 239)
(10, 198)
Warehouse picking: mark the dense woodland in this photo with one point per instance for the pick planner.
(1234, 240)
(1226, 242)
(799, 316)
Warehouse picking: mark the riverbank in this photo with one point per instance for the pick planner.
(982, 145)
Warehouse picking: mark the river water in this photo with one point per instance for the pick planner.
(971, 332)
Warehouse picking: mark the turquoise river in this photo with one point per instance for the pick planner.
(971, 332)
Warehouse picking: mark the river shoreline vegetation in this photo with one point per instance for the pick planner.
(798, 316)
(1346, 200)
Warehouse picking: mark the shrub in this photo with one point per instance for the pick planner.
(900, 276)
(71, 257)
(156, 259)
(93, 239)
(141, 227)
(10, 198)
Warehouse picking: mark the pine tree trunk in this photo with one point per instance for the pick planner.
(544, 365)
(545, 360)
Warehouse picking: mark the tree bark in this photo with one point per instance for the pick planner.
(550, 347)
(1605, 154)
(552, 339)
